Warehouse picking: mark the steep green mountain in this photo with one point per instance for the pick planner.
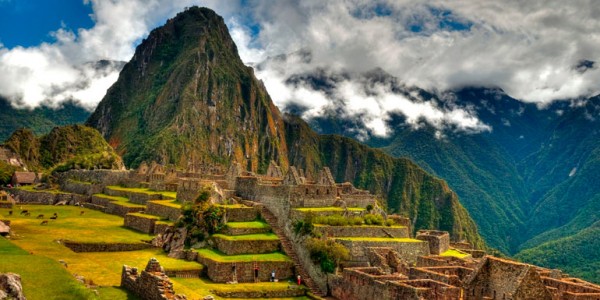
(41, 119)
(67, 147)
(187, 97)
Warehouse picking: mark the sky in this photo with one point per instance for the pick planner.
(535, 51)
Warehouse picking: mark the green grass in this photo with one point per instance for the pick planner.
(170, 203)
(232, 205)
(328, 208)
(455, 253)
(120, 200)
(195, 288)
(253, 224)
(143, 191)
(379, 239)
(145, 216)
(41, 277)
(221, 257)
(31, 188)
(104, 268)
(248, 237)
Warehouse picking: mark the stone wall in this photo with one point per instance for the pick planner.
(242, 231)
(104, 177)
(48, 198)
(151, 284)
(408, 250)
(234, 247)
(6, 204)
(439, 241)
(144, 224)
(222, 272)
(116, 208)
(81, 188)
(241, 214)
(161, 227)
(166, 212)
(358, 231)
(291, 292)
(104, 247)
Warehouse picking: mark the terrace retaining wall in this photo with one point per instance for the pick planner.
(222, 272)
(163, 211)
(104, 247)
(140, 223)
(234, 247)
(358, 231)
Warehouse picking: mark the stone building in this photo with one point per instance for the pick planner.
(151, 284)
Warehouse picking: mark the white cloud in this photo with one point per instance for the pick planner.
(529, 49)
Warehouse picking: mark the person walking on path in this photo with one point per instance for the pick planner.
(273, 276)
(299, 280)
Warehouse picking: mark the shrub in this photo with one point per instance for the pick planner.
(371, 219)
(303, 227)
(327, 253)
(389, 222)
(369, 207)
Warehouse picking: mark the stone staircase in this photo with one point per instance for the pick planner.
(288, 248)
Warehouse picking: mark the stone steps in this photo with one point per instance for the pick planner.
(289, 250)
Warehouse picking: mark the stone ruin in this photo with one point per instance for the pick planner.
(10, 287)
(151, 284)
(439, 241)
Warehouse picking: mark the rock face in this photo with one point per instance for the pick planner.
(186, 97)
(4, 229)
(10, 287)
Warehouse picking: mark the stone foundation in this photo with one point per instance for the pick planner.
(141, 223)
(119, 209)
(242, 231)
(235, 247)
(439, 241)
(222, 272)
(293, 290)
(164, 211)
(409, 251)
(151, 284)
(6, 204)
(358, 231)
(241, 214)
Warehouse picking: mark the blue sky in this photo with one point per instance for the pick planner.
(29, 22)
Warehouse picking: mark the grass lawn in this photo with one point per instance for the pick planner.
(170, 203)
(248, 237)
(221, 257)
(143, 190)
(253, 224)
(455, 253)
(145, 216)
(120, 200)
(195, 288)
(379, 239)
(328, 208)
(104, 268)
(30, 188)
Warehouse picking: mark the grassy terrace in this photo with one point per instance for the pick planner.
(195, 288)
(145, 216)
(253, 224)
(143, 191)
(249, 237)
(30, 188)
(330, 208)
(121, 200)
(103, 268)
(170, 203)
(221, 257)
(232, 206)
(455, 253)
(379, 239)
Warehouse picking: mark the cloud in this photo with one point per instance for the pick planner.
(65, 69)
(536, 51)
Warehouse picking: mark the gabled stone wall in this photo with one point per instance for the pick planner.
(151, 284)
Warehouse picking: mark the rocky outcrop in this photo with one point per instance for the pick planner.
(10, 287)
(4, 229)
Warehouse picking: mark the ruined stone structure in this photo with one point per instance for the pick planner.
(439, 241)
(151, 284)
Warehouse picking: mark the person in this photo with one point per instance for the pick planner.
(299, 279)
(273, 276)
(256, 274)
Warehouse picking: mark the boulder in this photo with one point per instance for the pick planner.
(10, 287)
(4, 229)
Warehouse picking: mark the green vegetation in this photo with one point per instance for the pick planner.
(40, 120)
(254, 224)
(143, 215)
(198, 288)
(173, 203)
(455, 253)
(31, 188)
(221, 257)
(6, 172)
(327, 253)
(248, 237)
(64, 148)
